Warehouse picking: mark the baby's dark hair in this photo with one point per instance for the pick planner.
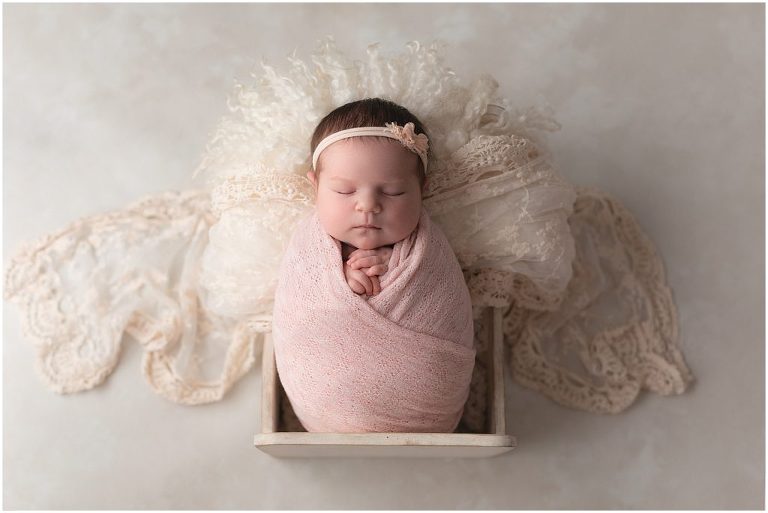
(367, 112)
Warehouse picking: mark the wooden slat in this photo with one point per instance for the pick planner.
(380, 445)
(497, 348)
(486, 357)
(269, 404)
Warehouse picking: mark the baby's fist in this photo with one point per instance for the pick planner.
(360, 282)
(374, 262)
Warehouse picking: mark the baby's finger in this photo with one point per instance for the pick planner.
(376, 285)
(376, 270)
(365, 281)
(356, 286)
(362, 285)
(360, 253)
(369, 287)
(366, 262)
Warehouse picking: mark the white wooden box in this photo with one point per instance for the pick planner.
(276, 441)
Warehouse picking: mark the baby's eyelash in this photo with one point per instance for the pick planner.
(348, 193)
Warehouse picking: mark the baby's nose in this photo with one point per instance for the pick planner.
(364, 206)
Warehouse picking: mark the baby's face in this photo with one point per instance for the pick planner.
(366, 181)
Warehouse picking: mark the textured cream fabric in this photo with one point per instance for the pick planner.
(589, 318)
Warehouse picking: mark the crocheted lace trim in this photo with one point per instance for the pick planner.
(495, 155)
(82, 288)
(615, 331)
(261, 185)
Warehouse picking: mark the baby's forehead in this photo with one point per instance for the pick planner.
(391, 180)
(387, 155)
(367, 144)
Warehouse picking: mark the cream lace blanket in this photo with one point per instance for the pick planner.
(191, 275)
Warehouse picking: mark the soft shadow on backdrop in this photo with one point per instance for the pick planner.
(661, 105)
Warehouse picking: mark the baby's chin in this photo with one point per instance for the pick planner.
(369, 240)
(367, 244)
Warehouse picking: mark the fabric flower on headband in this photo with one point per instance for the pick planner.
(407, 135)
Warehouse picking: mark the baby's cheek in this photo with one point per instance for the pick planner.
(408, 219)
(333, 219)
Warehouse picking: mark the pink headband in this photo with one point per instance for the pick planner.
(405, 134)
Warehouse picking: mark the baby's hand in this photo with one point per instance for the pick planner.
(360, 282)
(373, 262)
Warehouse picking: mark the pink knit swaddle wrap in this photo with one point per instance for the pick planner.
(400, 361)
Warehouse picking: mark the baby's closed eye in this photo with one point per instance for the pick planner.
(346, 193)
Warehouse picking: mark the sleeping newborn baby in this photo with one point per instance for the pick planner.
(372, 324)
(369, 198)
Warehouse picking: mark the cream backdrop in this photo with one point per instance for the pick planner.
(661, 105)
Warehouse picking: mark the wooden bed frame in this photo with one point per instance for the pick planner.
(274, 440)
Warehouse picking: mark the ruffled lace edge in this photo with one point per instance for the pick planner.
(659, 365)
